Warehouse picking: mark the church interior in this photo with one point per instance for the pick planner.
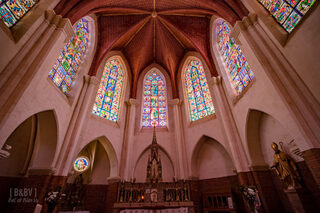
(145, 106)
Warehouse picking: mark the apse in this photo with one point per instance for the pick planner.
(159, 106)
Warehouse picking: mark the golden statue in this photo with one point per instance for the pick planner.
(285, 167)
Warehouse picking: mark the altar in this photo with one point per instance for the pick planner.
(154, 196)
(172, 210)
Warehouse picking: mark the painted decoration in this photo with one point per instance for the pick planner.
(11, 11)
(107, 102)
(81, 164)
(238, 69)
(65, 69)
(154, 101)
(288, 13)
(197, 91)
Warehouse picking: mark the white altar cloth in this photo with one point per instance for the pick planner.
(172, 210)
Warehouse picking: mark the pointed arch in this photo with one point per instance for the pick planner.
(139, 170)
(32, 146)
(154, 111)
(111, 88)
(196, 89)
(110, 152)
(202, 167)
(234, 62)
(65, 70)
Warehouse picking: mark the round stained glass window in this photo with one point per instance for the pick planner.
(81, 164)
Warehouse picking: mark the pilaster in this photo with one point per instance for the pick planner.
(224, 114)
(77, 121)
(182, 160)
(298, 99)
(23, 67)
(126, 163)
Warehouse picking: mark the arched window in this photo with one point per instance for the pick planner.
(11, 11)
(154, 101)
(238, 70)
(287, 13)
(65, 69)
(107, 102)
(197, 91)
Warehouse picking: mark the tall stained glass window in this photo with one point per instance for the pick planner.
(107, 103)
(287, 13)
(11, 11)
(155, 101)
(239, 72)
(197, 91)
(65, 69)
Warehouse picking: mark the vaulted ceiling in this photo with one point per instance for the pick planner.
(153, 31)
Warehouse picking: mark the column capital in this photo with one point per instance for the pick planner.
(91, 79)
(243, 25)
(175, 101)
(215, 80)
(60, 23)
(132, 101)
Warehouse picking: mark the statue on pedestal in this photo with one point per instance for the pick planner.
(285, 167)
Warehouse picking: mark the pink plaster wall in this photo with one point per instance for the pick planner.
(41, 93)
(301, 47)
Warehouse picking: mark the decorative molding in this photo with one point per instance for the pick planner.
(175, 101)
(114, 179)
(243, 25)
(41, 171)
(133, 102)
(91, 79)
(215, 81)
(264, 167)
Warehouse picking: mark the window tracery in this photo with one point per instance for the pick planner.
(288, 13)
(197, 91)
(107, 102)
(154, 101)
(65, 69)
(238, 69)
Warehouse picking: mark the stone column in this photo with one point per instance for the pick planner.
(224, 114)
(80, 113)
(126, 164)
(182, 162)
(19, 72)
(300, 102)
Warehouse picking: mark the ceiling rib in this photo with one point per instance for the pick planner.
(147, 20)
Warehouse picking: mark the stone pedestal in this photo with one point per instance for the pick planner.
(294, 199)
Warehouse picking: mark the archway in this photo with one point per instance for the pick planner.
(31, 146)
(140, 169)
(262, 129)
(210, 160)
(103, 162)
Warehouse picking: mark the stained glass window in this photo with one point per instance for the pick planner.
(155, 101)
(11, 11)
(108, 98)
(81, 164)
(197, 91)
(288, 13)
(65, 69)
(239, 72)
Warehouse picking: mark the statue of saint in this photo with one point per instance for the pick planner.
(154, 169)
(285, 167)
